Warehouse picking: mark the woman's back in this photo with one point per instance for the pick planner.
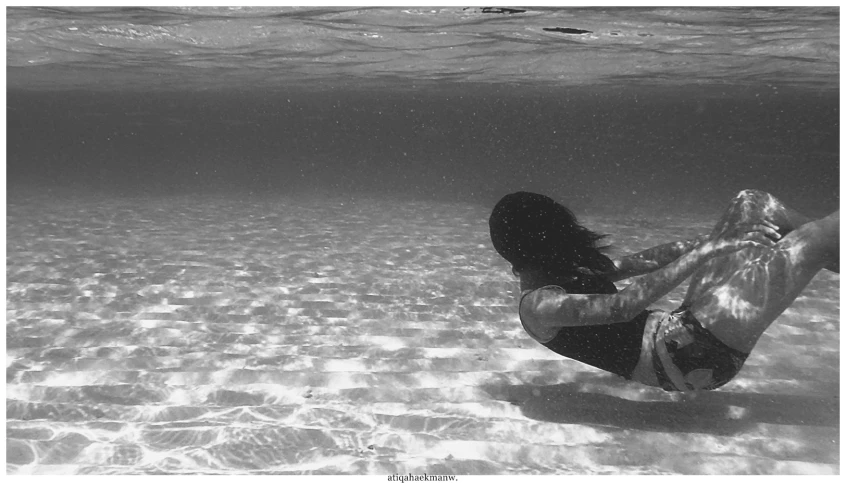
(611, 347)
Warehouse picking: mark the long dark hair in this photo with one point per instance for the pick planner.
(531, 230)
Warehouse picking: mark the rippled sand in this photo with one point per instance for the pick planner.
(278, 335)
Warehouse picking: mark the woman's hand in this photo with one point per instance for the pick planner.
(742, 235)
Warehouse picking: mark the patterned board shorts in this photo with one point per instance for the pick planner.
(687, 357)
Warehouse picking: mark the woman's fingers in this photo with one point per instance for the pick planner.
(771, 232)
(764, 228)
(761, 233)
(761, 237)
(775, 229)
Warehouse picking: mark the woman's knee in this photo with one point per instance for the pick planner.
(757, 197)
(752, 205)
(748, 206)
(752, 193)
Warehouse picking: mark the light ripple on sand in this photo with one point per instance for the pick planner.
(185, 325)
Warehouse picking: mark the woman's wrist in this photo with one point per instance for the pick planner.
(700, 240)
(705, 251)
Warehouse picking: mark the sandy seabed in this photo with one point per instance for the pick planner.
(202, 334)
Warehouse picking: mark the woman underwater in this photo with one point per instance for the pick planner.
(755, 262)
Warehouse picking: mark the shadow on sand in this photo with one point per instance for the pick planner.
(710, 412)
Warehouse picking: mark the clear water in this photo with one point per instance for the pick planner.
(255, 241)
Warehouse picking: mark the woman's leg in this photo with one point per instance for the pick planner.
(736, 297)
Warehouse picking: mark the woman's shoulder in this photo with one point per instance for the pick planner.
(531, 310)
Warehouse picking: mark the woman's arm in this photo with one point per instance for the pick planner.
(652, 259)
(555, 308)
